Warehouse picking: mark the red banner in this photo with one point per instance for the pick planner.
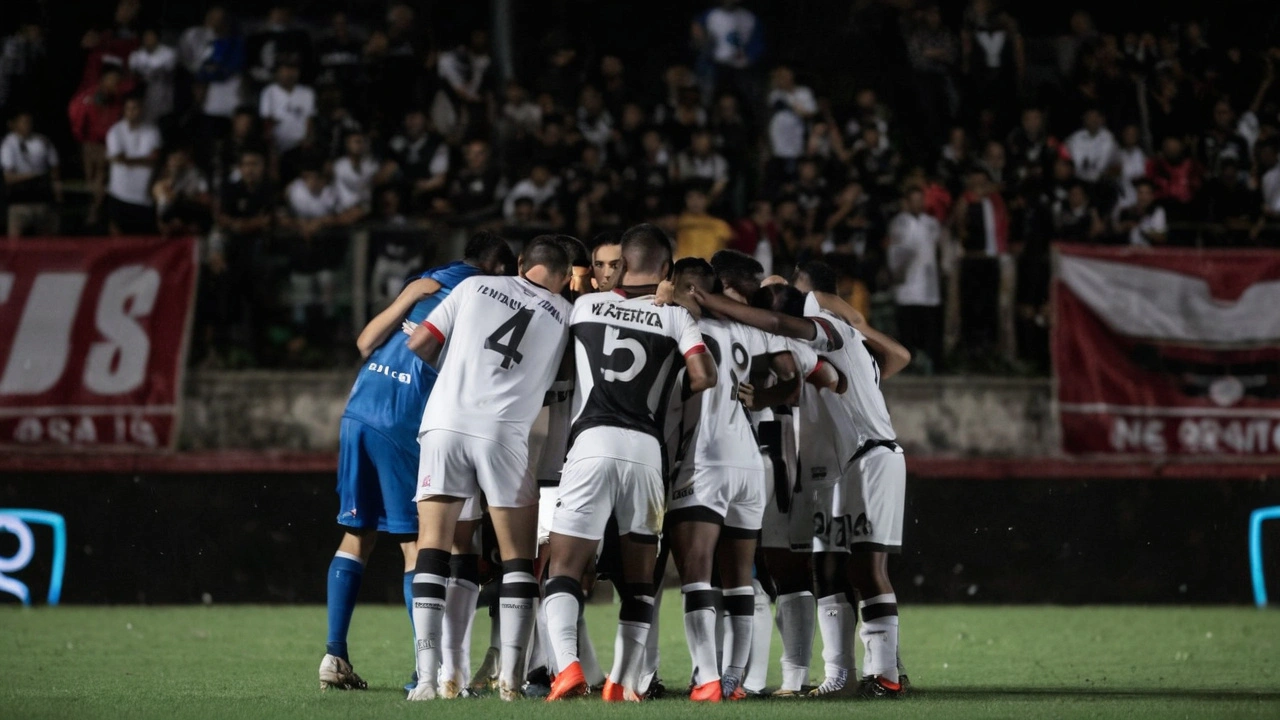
(1168, 352)
(93, 335)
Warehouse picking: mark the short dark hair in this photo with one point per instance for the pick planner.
(779, 298)
(545, 250)
(821, 275)
(487, 248)
(604, 239)
(577, 252)
(737, 270)
(646, 248)
(697, 271)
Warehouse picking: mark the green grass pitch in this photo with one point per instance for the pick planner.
(979, 662)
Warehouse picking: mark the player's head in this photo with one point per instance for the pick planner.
(490, 253)
(815, 276)
(606, 260)
(697, 272)
(646, 255)
(779, 298)
(580, 266)
(739, 272)
(545, 262)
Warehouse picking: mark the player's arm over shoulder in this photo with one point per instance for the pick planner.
(700, 367)
(891, 355)
(385, 323)
(429, 337)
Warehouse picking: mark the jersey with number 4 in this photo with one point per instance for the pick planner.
(627, 354)
(503, 340)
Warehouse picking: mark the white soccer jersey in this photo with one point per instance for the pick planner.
(833, 427)
(627, 353)
(503, 340)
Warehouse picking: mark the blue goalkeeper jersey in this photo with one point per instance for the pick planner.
(392, 388)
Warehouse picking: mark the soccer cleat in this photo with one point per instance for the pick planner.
(413, 682)
(833, 686)
(611, 692)
(876, 688)
(787, 693)
(450, 689)
(422, 691)
(486, 678)
(731, 689)
(336, 673)
(510, 694)
(656, 690)
(568, 683)
(707, 692)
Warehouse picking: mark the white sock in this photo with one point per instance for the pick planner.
(740, 605)
(651, 655)
(537, 655)
(880, 636)
(700, 621)
(722, 623)
(516, 613)
(850, 630)
(587, 655)
(796, 619)
(761, 640)
(836, 628)
(459, 611)
(561, 606)
(428, 617)
(634, 619)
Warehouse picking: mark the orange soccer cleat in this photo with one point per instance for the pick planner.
(612, 691)
(569, 683)
(707, 692)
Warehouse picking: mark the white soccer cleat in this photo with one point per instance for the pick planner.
(451, 689)
(486, 677)
(509, 695)
(336, 673)
(422, 691)
(837, 686)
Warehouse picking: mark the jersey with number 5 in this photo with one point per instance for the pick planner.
(503, 339)
(627, 355)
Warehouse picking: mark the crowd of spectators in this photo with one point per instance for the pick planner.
(272, 137)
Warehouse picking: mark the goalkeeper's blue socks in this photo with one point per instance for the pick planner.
(345, 573)
(408, 595)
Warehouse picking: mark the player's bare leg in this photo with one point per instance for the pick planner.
(562, 602)
(345, 572)
(869, 572)
(437, 519)
(693, 544)
(735, 555)
(836, 622)
(792, 574)
(517, 531)
(459, 610)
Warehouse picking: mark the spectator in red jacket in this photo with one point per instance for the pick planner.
(757, 235)
(92, 112)
(1175, 175)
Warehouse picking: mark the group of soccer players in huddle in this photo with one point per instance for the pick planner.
(695, 410)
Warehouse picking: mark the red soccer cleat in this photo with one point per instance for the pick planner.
(707, 692)
(569, 683)
(612, 691)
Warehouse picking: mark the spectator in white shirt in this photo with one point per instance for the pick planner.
(31, 176)
(287, 108)
(314, 254)
(1092, 148)
(914, 240)
(701, 164)
(790, 107)
(540, 187)
(1133, 164)
(194, 40)
(356, 173)
(133, 146)
(154, 64)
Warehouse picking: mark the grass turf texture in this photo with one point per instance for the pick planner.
(980, 662)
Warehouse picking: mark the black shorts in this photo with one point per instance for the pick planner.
(131, 219)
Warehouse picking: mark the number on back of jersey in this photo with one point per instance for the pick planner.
(506, 339)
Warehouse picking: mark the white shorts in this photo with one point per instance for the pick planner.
(734, 495)
(864, 510)
(790, 530)
(594, 487)
(465, 466)
(548, 496)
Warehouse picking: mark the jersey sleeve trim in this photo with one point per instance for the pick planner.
(439, 336)
(834, 340)
(695, 350)
(816, 368)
